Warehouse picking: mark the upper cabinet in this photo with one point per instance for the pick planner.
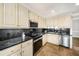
(13, 15)
(1, 14)
(31, 16)
(10, 15)
(23, 16)
(60, 22)
(36, 18)
(42, 22)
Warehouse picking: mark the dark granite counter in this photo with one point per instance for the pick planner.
(12, 42)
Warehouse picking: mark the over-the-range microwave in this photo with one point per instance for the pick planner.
(33, 24)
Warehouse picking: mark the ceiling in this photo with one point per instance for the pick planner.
(44, 9)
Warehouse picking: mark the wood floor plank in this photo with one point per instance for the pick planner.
(55, 50)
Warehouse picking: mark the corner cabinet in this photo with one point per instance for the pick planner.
(1, 14)
(31, 16)
(10, 15)
(23, 17)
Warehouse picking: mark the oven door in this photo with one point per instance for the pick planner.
(37, 45)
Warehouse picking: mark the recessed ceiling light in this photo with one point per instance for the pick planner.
(53, 11)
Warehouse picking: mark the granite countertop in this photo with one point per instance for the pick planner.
(12, 42)
(53, 33)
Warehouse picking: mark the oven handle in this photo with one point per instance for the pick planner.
(37, 39)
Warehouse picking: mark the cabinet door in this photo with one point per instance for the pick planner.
(10, 15)
(44, 39)
(10, 51)
(54, 39)
(41, 22)
(27, 51)
(23, 17)
(27, 48)
(36, 18)
(31, 16)
(1, 14)
(18, 53)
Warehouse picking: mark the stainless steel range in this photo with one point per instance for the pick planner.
(36, 34)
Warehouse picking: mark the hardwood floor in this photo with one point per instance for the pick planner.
(54, 50)
(76, 44)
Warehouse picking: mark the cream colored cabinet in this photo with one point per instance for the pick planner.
(23, 49)
(27, 48)
(41, 23)
(23, 17)
(59, 21)
(1, 14)
(18, 53)
(31, 16)
(36, 18)
(27, 51)
(11, 50)
(10, 15)
(44, 41)
(53, 38)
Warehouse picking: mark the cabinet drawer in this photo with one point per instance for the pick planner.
(18, 53)
(27, 43)
(10, 50)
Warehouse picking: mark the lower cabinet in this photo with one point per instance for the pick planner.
(23, 49)
(27, 48)
(18, 53)
(11, 50)
(27, 51)
(44, 39)
(53, 38)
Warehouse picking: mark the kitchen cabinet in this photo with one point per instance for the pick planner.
(23, 49)
(27, 51)
(10, 15)
(36, 18)
(41, 22)
(18, 53)
(59, 21)
(11, 51)
(44, 39)
(53, 38)
(27, 48)
(31, 16)
(23, 17)
(1, 14)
